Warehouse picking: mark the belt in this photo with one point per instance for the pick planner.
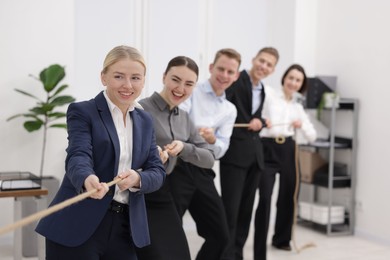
(118, 207)
(279, 140)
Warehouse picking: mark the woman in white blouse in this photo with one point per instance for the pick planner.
(284, 115)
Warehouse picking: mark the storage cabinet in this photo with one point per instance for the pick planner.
(327, 199)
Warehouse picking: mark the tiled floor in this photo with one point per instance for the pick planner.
(326, 248)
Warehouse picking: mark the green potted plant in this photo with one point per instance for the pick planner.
(44, 114)
(328, 100)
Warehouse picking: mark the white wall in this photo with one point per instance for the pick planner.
(99, 25)
(34, 34)
(353, 43)
(346, 38)
(349, 39)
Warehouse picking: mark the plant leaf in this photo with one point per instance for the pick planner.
(26, 93)
(57, 114)
(42, 110)
(14, 116)
(59, 90)
(62, 100)
(58, 126)
(31, 126)
(25, 115)
(51, 76)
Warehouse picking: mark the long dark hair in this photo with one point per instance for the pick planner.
(298, 68)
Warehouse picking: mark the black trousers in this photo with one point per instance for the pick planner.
(111, 241)
(168, 240)
(193, 189)
(279, 158)
(238, 187)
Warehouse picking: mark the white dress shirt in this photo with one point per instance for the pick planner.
(282, 113)
(125, 136)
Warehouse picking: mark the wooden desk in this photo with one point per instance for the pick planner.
(23, 193)
(18, 195)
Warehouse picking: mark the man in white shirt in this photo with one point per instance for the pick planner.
(193, 187)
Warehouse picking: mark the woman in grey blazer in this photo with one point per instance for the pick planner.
(179, 138)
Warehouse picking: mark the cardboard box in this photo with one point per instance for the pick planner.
(309, 162)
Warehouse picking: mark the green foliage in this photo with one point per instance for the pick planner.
(320, 106)
(328, 100)
(43, 114)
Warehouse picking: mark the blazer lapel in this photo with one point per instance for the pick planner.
(137, 137)
(262, 97)
(106, 117)
(248, 92)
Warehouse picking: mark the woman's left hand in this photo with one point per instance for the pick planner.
(163, 154)
(297, 124)
(174, 148)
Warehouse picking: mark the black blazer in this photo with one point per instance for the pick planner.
(245, 146)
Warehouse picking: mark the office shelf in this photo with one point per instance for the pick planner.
(329, 181)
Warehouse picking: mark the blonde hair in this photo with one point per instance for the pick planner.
(122, 52)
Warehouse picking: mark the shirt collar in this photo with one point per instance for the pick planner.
(259, 86)
(209, 90)
(112, 106)
(162, 104)
(297, 97)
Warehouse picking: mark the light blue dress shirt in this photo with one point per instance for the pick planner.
(256, 96)
(206, 109)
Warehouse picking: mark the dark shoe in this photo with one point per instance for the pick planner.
(285, 248)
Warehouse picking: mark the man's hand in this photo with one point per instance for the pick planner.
(208, 134)
(255, 124)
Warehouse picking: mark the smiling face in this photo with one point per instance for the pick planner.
(262, 66)
(179, 82)
(124, 81)
(292, 82)
(223, 72)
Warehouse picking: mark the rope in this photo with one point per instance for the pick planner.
(310, 244)
(52, 209)
(247, 125)
(241, 125)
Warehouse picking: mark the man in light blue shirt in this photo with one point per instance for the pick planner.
(212, 114)
(193, 187)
